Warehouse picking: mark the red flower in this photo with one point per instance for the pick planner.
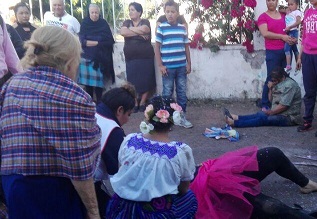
(207, 3)
(193, 44)
(250, 48)
(200, 47)
(242, 8)
(240, 24)
(249, 25)
(250, 3)
(234, 13)
(248, 44)
(197, 36)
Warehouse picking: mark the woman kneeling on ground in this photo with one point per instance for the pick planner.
(155, 172)
(113, 112)
(285, 96)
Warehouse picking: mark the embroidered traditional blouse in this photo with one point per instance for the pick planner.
(151, 169)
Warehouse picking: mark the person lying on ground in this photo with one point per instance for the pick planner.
(157, 176)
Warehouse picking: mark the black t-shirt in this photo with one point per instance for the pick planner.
(25, 35)
(137, 47)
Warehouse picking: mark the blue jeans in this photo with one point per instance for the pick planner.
(309, 65)
(261, 119)
(178, 75)
(274, 58)
(288, 48)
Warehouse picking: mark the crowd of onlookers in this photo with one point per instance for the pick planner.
(64, 153)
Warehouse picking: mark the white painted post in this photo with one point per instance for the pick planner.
(257, 37)
(82, 9)
(114, 19)
(71, 7)
(41, 12)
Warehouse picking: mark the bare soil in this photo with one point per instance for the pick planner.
(207, 114)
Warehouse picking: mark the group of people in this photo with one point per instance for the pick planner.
(171, 52)
(281, 96)
(64, 157)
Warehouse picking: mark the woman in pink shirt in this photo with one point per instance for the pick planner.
(308, 59)
(271, 25)
(9, 60)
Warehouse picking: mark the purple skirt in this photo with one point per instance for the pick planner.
(169, 206)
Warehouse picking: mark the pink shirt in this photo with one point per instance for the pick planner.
(274, 26)
(8, 56)
(310, 31)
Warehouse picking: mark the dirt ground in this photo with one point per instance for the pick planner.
(207, 114)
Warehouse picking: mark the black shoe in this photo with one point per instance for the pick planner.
(305, 127)
(136, 109)
(226, 113)
(142, 108)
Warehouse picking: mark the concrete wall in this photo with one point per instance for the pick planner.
(229, 73)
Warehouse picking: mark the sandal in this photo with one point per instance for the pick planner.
(227, 113)
(136, 109)
(142, 108)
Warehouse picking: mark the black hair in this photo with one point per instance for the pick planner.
(120, 96)
(278, 73)
(297, 2)
(138, 7)
(20, 4)
(171, 3)
(161, 103)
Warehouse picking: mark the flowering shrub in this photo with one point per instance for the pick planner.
(222, 22)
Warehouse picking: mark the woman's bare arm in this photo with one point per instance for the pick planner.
(183, 187)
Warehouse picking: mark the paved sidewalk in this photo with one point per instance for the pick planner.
(208, 113)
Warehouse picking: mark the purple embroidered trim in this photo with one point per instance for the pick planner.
(146, 146)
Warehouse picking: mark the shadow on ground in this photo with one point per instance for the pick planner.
(206, 114)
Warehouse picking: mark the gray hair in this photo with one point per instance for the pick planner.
(93, 5)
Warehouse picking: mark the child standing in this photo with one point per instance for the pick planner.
(308, 60)
(173, 56)
(292, 19)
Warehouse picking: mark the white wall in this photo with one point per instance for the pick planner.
(229, 73)
(225, 74)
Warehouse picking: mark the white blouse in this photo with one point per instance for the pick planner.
(151, 169)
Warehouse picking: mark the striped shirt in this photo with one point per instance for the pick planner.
(48, 126)
(172, 39)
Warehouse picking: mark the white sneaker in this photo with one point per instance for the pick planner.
(185, 123)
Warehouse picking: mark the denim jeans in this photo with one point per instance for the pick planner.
(309, 65)
(179, 76)
(261, 119)
(288, 48)
(274, 58)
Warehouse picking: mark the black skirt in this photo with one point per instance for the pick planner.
(141, 73)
